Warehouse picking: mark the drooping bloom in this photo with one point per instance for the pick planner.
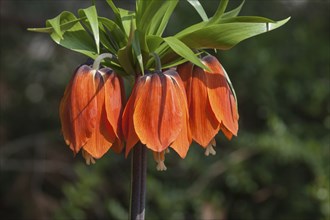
(212, 104)
(157, 115)
(90, 112)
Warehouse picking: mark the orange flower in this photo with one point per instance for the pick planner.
(90, 112)
(157, 115)
(212, 105)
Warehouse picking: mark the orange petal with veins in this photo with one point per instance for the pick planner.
(185, 72)
(83, 106)
(127, 119)
(103, 136)
(227, 133)
(113, 99)
(184, 139)
(203, 123)
(221, 98)
(65, 117)
(157, 115)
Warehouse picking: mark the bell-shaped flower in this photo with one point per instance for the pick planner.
(90, 112)
(212, 104)
(156, 114)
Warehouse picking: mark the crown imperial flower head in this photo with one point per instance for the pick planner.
(212, 104)
(90, 112)
(157, 115)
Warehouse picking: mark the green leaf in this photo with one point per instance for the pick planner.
(114, 9)
(246, 19)
(181, 49)
(234, 12)
(148, 14)
(199, 8)
(204, 24)
(114, 32)
(55, 23)
(137, 50)
(221, 9)
(92, 18)
(225, 36)
(166, 17)
(144, 46)
(127, 19)
(74, 36)
(50, 29)
(161, 18)
(153, 42)
(126, 60)
(141, 6)
(46, 30)
(125, 55)
(176, 62)
(191, 29)
(155, 16)
(123, 17)
(106, 40)
(214, 19)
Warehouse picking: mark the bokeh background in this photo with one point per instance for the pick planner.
(276, 169)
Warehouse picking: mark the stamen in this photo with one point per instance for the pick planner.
(88, 158)
(209, 149)
(160, 158)
(161, 166)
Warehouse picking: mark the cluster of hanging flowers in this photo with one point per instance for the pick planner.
(190, 99)
(166, 109)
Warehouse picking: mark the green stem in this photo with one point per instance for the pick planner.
(138, 182)
(97, 62)
(158, 66)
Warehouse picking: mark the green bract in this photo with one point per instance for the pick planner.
(133, 35)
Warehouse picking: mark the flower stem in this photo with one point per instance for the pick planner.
(97, 62)
(158, 66)
(138, 183)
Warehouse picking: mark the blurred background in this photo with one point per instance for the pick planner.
(277, 168)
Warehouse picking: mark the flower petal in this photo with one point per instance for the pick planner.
(157, 115)
(127, 119)
(203, 123)
(113, 99)
(227, 133)
(103, 136)
(221, 97)
(182, 142)
(118, 146)
(185, 72)
(83, 106)
(65, 117)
